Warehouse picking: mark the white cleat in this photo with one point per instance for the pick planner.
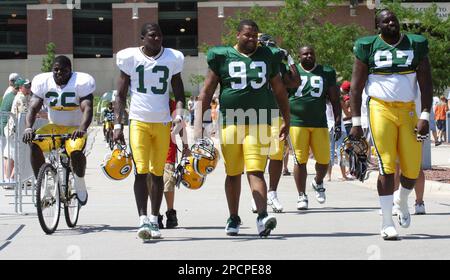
(389, 233)
(272, 200)
(420, 209)
(144, 231)
(302, 202)
(154, 231)
(320, 192)
(403, 216)
(266, 225)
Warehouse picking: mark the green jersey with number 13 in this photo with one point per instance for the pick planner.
(150, 79)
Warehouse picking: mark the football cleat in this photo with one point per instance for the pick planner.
(355, 151)
(117, 164)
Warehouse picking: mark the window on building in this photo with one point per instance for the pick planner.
(13, 29)
(178, 21)
(92, 30)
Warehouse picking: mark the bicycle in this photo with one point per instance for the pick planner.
(107, 126)
(55, 186)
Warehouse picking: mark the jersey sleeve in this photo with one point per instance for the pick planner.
(179, 62)
(276, 61)
(362, 51)
(422, 47)
(39, 86)
(125, 61)
(86, 85)
(214, 61)
(330, 75)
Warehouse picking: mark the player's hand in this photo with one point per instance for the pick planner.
(186, 151)
(28, 135)
(337, 132)
(285, 53)
(284, 131)
(79, 133)
(118, 136)
(356, 133)
(422, 130)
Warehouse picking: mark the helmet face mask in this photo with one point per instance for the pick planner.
(266, 40)
(356, 154)
(117, 165)
(186, 175)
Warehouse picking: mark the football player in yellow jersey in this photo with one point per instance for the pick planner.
(148, 71)
(391, 66)
(68, 97)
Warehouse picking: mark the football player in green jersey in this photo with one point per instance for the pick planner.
(309, 127)
(245, 72)
(391, 66)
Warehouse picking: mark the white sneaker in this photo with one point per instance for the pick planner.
(80, 188)
(272, 200)
(419, 209)
(320, 192)
(403, 216)
(395, 209)
(266, 225)
(254, 209)
(144, 231)
(302, 202)
(389, 233)
(154, 231)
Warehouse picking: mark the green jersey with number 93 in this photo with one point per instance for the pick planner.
(244, 83)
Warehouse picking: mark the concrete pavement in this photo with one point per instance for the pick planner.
(345, 227)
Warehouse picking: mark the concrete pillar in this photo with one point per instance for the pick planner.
(426, 154)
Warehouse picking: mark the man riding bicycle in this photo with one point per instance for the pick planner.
(108, 120)
(69, 97)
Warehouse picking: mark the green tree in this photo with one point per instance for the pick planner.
(47, 61)
(300, 23)
(437, 31)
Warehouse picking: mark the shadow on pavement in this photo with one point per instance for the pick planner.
(87, 229)
(334, 210)
(425, 236)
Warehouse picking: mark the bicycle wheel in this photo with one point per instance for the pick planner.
(72, 205)
(47, 198)
(110, 140)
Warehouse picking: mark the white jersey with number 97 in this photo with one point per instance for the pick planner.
(150, 79)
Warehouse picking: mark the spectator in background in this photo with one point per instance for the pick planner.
(19, 105)
(12, 79)
(440, 114)
(345, 105)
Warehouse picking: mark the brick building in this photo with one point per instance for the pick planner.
(91, 32)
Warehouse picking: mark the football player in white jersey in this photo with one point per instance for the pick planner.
(69, 97)
(390, 66)
(148, 71)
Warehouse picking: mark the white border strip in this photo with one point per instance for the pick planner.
(48, 6)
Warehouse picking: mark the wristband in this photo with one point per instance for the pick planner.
(290, 60)
(425, 116)
(118, 126)
(28, 129)
(356, 121)
(178, 118)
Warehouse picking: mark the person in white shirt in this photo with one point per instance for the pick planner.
(148, 71)
(69, 97)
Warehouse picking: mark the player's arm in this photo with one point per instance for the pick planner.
(123, 84)
(33, 109)
(180, 98)
(279, 91)
(291, 78)
(86, 107)
(204, 101)
(359, 78)
(426, 89)
(333, 95)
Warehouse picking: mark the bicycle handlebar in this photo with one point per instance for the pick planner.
(43, 136)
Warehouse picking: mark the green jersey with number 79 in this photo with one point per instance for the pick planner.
(392, 68)
(244, 83)
(308, 101)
